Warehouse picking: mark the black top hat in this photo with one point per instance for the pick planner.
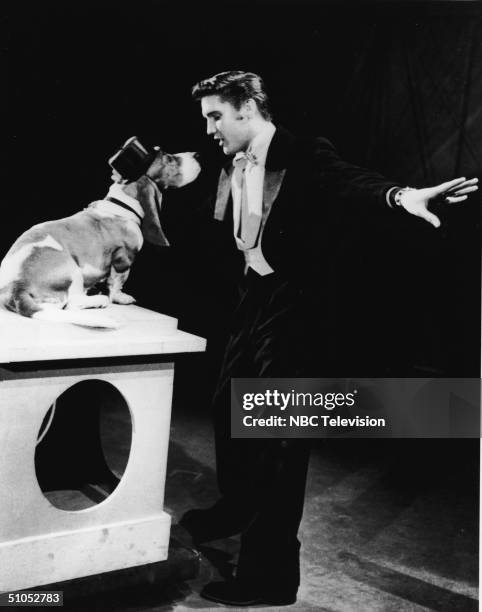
(132, 160)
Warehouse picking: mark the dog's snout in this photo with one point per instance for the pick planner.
(196, 155)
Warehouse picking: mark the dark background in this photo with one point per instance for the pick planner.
(396, 86)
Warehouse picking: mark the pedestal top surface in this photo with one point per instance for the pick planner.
(143, 332)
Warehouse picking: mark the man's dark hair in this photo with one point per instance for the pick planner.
(235, 87)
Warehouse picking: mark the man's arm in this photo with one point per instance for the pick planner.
(352, 182)
(416, 201)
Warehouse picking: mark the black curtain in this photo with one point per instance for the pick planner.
(396, 86)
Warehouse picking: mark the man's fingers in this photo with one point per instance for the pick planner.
(453, 200)
(458, 192)
(470, 182)
(455, 188)
(431, 218)
(443, 187)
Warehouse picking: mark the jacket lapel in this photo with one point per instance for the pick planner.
(279, 154)
(222, 196)
(273, 180)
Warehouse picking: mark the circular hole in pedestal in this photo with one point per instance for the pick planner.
(83, 445)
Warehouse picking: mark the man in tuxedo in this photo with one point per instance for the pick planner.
(276, 213)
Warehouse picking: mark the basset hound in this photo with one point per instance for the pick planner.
(49, 270)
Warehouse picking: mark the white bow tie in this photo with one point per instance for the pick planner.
(245, 157)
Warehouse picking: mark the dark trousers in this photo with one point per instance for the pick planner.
(262, 481)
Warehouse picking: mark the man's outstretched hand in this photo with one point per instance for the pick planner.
(416, 201)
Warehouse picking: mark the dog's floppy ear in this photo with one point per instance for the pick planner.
(150, 199)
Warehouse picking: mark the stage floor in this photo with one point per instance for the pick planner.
(389, 525)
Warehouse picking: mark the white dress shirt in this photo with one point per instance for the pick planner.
(254, 177)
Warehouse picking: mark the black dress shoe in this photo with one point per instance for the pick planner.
(237, 593)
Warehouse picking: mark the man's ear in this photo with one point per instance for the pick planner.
(247, 109)
(250, 108)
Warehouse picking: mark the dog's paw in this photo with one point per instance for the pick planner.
(89, 301)
(99, 301)
(123, 298)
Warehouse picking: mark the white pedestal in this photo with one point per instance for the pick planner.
(42, 544)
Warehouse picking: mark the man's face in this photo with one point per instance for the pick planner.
(226, 124)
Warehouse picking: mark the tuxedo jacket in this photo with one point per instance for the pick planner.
(305, 186)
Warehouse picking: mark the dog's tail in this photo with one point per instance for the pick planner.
(86, 318)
